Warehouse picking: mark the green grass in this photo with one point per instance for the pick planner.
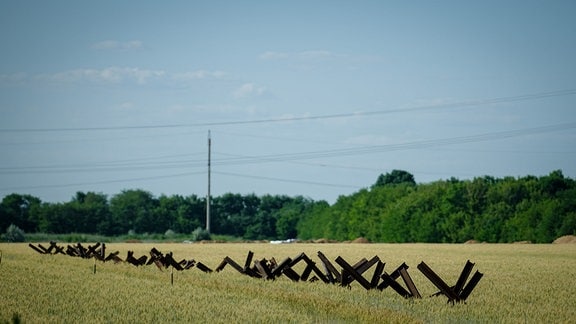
(522, 283)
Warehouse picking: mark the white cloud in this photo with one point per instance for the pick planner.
(117, 45)
(248, 90)
(198, 75)
(106, 75)
(316, 55)
(15, 78)
(303, 55)
(112, 75)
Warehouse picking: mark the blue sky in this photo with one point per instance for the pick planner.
(312, 98)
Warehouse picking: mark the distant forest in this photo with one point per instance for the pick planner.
(394, 209)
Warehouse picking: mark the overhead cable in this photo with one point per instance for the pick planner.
(469, 103)
(299, 156)
(286, 180)
(45, 186)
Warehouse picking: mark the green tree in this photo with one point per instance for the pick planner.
(233, 213)
(394, 209)
(312, 223)
(554, 183)
(91, 212)
(191, 213)
(134, 210)
(20, 210)
(493, 226)
(263, 225)
(395, 177)
(289, 216)
(57, 218)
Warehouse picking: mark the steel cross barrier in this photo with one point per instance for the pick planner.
(360, 267)
(332, 274)
(40, 249)
(354, 272)
(98, 252)
(270, 269)
(246, 270)
(77, 250)
(52, 249)
(458, 292)
(114, 257)
(389, 280)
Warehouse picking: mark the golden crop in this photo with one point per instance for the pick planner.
(530, 283)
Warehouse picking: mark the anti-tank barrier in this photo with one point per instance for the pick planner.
(299, 268)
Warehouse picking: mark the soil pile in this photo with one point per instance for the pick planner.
(361, 240)
(565, 239)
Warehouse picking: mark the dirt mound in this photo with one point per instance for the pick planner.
(361, 240)
(565, 239)
(522, 242)
(323, 240)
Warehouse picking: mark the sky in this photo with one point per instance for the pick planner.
(300, 98)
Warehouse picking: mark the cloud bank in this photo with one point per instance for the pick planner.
(111, 75)
(248, 90)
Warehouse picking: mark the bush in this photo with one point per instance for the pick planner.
(169, 233)
(14, 234)
(200, 234)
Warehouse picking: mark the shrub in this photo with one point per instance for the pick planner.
(200, 234)
(14, 234)
(169, 233)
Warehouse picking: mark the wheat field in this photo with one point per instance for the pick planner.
(522, 283)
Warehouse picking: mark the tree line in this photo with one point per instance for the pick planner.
(394, 209)
(138, 211)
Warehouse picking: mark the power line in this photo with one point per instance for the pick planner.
(287, 180)
(277, 138)
(100, 182)
(288, 157)
(46, 140)
(395, 147)
(315, 164)
(147, 163)
(102, 168)
(125, 165)
(460, 104)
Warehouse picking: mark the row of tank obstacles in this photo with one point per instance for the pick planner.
(270, 269)
(98, 252)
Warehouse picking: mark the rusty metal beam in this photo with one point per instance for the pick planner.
(330, 269)
(463, 277)
(409, 283)
(349, 269)
(438, 282)
(471, 285)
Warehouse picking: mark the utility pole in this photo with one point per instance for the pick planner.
(208, 196)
